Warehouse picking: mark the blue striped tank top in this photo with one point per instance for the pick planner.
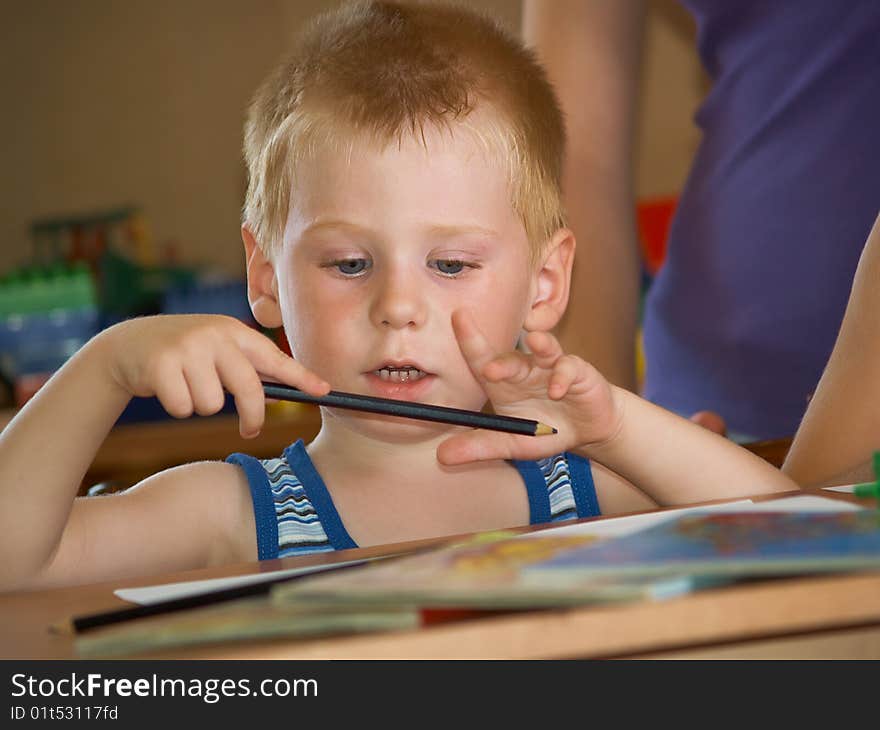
(295, 514)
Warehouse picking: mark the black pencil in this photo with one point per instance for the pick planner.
(81, 624)
(408, 409)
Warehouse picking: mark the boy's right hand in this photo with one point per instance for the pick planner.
(187, 361)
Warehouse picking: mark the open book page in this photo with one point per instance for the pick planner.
(725, 545)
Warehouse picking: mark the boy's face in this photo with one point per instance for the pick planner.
(380, 248)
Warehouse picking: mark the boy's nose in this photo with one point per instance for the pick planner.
(399, 301)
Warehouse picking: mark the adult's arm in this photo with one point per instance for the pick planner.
(841, 428)
(591, 50)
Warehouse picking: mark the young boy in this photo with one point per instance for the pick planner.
(403, 224)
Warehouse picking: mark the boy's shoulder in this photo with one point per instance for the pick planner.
(187, 517)
(216, 499)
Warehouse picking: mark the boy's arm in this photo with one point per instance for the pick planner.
(616, 495)
(841, 428)
(675, 461)
(591, 51)
(188, 517)
(186, 361)
(44, 454)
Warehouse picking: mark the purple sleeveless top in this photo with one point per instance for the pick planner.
(779, 202)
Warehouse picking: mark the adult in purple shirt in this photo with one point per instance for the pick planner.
(769, 227)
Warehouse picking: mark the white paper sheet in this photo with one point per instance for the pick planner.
(146, 595)
(846, 488)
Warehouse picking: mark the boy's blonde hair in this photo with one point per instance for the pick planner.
(377, 71)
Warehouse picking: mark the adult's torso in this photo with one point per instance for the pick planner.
(781, 196)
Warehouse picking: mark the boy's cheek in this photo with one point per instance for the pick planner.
(501, 332)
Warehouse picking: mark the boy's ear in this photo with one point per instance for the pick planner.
(552, 283)
(262, 286)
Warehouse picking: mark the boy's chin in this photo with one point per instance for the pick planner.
(393, 429)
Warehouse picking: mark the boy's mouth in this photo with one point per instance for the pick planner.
(403, 374)
(400, 378)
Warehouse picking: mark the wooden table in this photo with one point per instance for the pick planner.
(833, 616)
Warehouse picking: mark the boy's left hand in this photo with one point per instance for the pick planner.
(545, 385)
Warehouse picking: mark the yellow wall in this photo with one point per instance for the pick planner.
(142, 101)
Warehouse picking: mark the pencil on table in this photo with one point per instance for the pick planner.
(407, 409)
(81, 624)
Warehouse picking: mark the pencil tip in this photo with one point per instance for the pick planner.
(543, 429)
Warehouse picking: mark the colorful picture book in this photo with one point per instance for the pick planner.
(485, 573)
(482, 573)
(725, 545)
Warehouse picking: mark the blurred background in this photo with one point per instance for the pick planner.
(124, 177)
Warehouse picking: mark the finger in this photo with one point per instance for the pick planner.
(204, 386)
(241, 380)
(479, 445)
(277, 365)
(511, 366)
(172, 390)
(545, 348)
(476, 445)
(565, 372)
(473, 344)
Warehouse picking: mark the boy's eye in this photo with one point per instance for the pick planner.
(450, 267)
(349, 267)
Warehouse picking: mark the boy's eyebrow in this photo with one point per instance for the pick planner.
(437, 230)
(332, 224)
(450, 231)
